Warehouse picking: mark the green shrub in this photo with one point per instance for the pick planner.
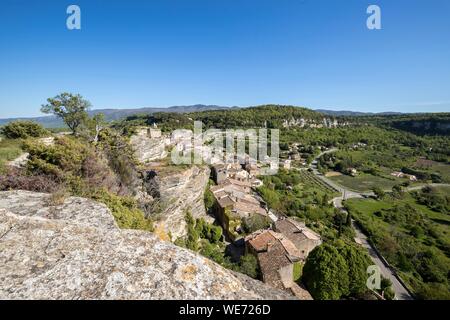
(23, 129)
(125, 210)
(64, 157)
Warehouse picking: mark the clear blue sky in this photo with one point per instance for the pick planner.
(313, 53)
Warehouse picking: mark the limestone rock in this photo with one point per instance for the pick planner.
(75, 209)
(148, 148)
(20, 161)
(179, 191)
(71, 254)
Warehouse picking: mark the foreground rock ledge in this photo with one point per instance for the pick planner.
(65, 252)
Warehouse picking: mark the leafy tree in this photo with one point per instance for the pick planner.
(386, 289)
(72, 109)
(212, 251)
(379, 193)
(249, 266)
(357, 261)
(95, 125)
(209, 197)
(326, 273)
(23, 129)
(397, 191)
(255, 222)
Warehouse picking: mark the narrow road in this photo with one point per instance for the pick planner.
(401, 293)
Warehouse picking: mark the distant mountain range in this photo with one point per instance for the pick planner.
(117, 114)
(344, 113)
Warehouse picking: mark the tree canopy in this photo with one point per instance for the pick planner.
(72, 109)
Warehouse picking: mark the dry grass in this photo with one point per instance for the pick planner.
(333, 174)
(57, 198)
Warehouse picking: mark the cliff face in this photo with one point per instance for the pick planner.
(148, 148)
(75, 251)
(178, 191)
(312, 123)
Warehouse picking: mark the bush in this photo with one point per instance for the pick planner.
(65, 156)
(386, 289)
(23, 130)
(433, 291)
(120, 156)
(249, 265)
(125, 210)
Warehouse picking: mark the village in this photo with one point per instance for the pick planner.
(281, 246)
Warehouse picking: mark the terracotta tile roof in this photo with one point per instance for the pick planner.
(225, 202)
(237, 182)
(263, 241)
(296, 229)
(241, 207)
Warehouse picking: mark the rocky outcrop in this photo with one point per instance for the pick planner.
(149, 145)
(311, 123)
(178, 190)
(75, 251)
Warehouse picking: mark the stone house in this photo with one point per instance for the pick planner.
(276, 256)
(304, 239)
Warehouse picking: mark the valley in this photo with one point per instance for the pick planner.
(360, 190)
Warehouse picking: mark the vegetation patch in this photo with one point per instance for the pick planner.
(10, 149)
(412, 234)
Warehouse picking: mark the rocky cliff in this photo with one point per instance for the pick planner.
(149, 148)
(75, 251)
(178, 189)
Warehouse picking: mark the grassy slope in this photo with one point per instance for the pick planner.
(9, 150)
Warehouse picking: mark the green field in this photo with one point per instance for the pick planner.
(365, 182)
(310, 181)
(443, 169)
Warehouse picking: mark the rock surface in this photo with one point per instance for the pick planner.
(180, 191)
(148, 149)
(75, 251)
(74, 209)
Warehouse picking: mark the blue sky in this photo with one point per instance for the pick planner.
(313, 53)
